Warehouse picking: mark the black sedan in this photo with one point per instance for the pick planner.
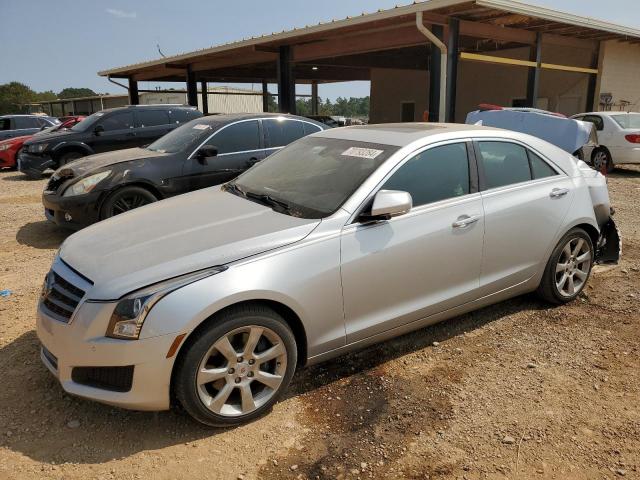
(204, 152)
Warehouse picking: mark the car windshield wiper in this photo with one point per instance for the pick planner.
(235, 189)
(269, 201)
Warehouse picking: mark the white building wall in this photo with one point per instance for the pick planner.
(620, 75)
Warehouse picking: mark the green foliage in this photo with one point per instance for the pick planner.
(13, 96)
(352, 107)
(71, 92)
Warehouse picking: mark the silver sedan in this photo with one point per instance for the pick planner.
(345, 238)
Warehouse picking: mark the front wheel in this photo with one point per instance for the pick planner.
(69, 157)
(234, 371)
(568, 269)
(125, 199)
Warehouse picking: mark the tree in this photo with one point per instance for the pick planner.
(14, 96)
(71, 92)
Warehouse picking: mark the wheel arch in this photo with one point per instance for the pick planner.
(287, 313)
(63, 148)
(138, 183)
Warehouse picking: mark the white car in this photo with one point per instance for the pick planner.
(618, 138)
(342, 239)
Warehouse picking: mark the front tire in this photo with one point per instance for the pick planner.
(236, 369)
(568, 268)
(69, 157)
(126, 199)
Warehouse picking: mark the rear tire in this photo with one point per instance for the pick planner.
(568, 268)
(126, 199)
(233, 371)
(600, 159)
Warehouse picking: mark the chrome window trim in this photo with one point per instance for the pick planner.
(221, 129)
(353, 218)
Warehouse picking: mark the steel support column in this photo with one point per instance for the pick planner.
(134, 98)
(286, 81)
(434, 76)
(452, 68)
(533, 80)
(192, 88)
(204, 92)
(265, 96)
(592, 86)
(314, 97)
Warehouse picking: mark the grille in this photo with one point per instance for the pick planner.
(60, 297)
(116, 379)
(51, 358)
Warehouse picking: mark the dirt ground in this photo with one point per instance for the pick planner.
(517, 390)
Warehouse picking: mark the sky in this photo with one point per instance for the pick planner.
(53, 44)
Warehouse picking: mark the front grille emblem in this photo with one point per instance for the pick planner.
(47, 286)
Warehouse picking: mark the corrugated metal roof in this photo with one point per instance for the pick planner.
(399, 10)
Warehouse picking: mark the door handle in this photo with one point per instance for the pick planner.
(465, 220)
(558, 192)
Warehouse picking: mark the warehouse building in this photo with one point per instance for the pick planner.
(219, 100)
(434, 59)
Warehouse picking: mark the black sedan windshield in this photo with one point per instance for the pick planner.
(312, 177)
(182, 138)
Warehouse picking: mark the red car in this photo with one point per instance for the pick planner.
(9, 148)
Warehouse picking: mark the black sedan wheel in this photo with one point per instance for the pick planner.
(125, 199)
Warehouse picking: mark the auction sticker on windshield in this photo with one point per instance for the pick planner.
(362, 152)
(200, 126)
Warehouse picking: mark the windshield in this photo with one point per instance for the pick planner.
(183, 137)
(312, 177)
(629, 120)
(87, 122)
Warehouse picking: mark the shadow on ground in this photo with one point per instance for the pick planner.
(620, 172)
(42, 235)
(36, 410)
(20, 177)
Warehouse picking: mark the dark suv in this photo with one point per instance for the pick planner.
(104, 131)
(19, 125)
(205, 152)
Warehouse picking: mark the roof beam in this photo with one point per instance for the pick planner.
(497, 33)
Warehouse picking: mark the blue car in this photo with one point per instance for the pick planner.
(19, 125)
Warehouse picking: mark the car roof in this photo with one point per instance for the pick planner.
(235, 117)
(402, 134)
(161, 106)
(13, 115)
(607, 114)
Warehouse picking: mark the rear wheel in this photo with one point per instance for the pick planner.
(601, 160)
(125, 199)
(235, 370)
(568, 269)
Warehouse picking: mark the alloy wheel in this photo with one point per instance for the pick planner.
(128, 202)
(600, 160)
(573, 266)
(242, 371)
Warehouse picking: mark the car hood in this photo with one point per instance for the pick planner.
(101, 160)
(60, 135)
(177, 236)
(14, 140)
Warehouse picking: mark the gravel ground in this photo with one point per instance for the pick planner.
(516, 390)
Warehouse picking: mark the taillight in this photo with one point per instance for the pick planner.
(633, 138)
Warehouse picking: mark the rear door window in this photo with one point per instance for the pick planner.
(540, 168)
(117, 121)
(283, 132)
(239, 137)
(504, 163)
(152, 118)
(5, 124)
(595, 119)
(183, 115)
(26, 122)
(433, 175)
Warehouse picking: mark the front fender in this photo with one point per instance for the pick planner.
(71, 145)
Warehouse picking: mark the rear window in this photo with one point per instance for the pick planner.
(152, 118)
(630, 120)
(27, 122)
(504, 163)
(183, 115)
(283, 132)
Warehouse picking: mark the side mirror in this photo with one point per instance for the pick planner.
(98, 130)
(206, 152)
(388, 204)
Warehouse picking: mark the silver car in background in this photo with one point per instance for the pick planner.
(342, 239)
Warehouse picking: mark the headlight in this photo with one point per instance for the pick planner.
(4, 147)
(131, 311)
(86, 184)
(37, 148)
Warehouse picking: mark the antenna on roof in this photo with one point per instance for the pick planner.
(160, 51)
